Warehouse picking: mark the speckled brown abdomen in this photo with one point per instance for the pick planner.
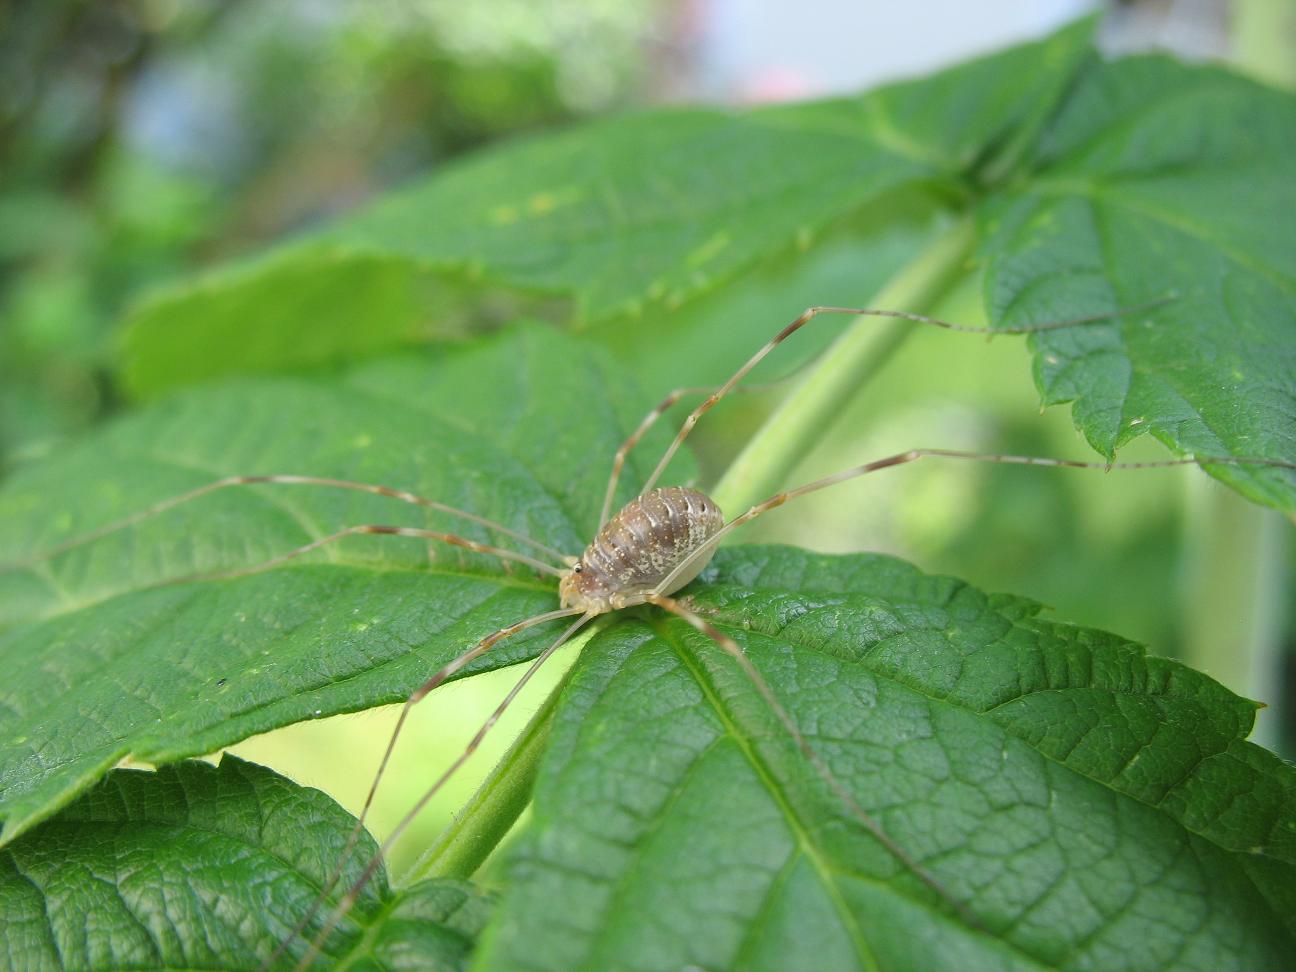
(640, 547)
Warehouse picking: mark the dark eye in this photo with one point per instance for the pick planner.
(577, 569)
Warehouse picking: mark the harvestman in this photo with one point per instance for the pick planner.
(654, 546)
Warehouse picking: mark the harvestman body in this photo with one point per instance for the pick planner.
(653, 547)
(639, 548)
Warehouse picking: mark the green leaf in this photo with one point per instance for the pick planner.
(1092, 806)
(1156, 178)
(104, 663)
(1098, 186)
(1075, 795)
(210, 867)
(621, 219)
(315, 304)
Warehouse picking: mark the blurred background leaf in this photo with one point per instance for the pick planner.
(141, 138)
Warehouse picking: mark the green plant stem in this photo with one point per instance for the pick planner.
(1237, 568)
(781, 443)
(1232, 596)
(799, 421)
(484, 820)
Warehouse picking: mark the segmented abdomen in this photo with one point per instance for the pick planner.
(650, 536)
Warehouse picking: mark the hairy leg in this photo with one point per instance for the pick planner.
(373, 529)
(901, 458)
(349, 899)
(445, 672)
(618, 461)
(814, 312)
(732, 648)
(649, 420)
(231, 481)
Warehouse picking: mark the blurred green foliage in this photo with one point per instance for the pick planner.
(140, 139)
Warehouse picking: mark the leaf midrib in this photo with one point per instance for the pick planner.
(793, 820)
(1100, 190)
(594, 231)
(792, 641)
(822, 866)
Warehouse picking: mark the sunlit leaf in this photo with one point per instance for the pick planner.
(1085, 805)
(1098, 186)
(106, 659)
(1091, 806)
(622, 218)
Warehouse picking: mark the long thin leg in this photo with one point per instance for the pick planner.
(353, 893)
(901, 458)
(618, 461)
(446, 671)
(377, 529)
(813, 312)
(228, 481)
(732, 648)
